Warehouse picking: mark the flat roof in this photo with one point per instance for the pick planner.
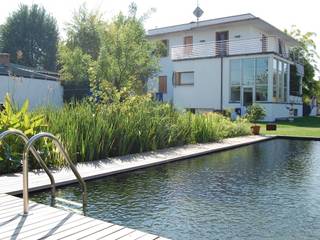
(220, 21)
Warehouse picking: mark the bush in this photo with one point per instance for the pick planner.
(11, 148)
(138, 124)
(255, 113)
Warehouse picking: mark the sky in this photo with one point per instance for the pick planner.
(280, 13)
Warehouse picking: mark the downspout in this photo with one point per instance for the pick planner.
(221, 77)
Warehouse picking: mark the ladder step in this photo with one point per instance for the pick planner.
(69, 202)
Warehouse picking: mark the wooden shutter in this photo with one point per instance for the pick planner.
(177, 78)
(163, 84)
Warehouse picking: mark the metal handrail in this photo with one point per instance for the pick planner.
(24, 137)
(57, 143)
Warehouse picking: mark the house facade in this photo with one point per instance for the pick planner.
(228, 63)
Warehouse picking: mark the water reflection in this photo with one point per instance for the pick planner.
(261, 191)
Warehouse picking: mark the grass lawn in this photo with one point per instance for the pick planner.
(304, 126)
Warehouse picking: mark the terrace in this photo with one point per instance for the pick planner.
(264, 44)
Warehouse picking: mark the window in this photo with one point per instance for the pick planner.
(248, 71)
(261, 79)
(184, 78)
(165, 50)
(280, 81)
(251, 73)
(235, 94)
(235, 80)
(163, 84)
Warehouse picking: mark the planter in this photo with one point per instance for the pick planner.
(255, 129)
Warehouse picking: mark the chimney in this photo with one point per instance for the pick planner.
(5, 58)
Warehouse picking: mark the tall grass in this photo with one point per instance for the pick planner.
(136, 125)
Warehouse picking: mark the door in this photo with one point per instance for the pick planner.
(163, 84)
(247, 96)
(188, 41)
(222, 41)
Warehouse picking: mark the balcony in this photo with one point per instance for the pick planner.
(229, 48)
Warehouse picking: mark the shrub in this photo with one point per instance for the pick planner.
(11, 148)
(255, 113)
(137, 124)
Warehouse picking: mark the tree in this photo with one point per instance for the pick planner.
(127, 58)
(83, 31)
(307, 54)
(33, 33)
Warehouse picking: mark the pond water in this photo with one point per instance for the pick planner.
(268, 190)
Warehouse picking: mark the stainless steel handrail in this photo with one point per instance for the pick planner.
(24, 137)
(57, 143)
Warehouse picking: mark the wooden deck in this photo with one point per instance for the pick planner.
(45, 222)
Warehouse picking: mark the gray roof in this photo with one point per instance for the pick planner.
(27, 72)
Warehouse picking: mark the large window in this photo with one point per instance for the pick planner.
(235, 80)
(249, 72)
(261, 79)
(280, 81)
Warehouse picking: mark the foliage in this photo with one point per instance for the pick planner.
(307, 54)
(136, 124)
(255, 113)
(126, 56)
(83, 32)
(12, 117)
(74, 72)
(30, 35)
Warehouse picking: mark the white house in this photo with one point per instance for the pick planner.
(21, 83)
(228, 63)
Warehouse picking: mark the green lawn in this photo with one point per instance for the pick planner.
(304, 126)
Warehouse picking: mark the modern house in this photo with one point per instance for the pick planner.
(42, 88)
(228, 63)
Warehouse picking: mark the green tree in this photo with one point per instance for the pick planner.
(83, 31)
(33, 33)
(307, 54)
(127, 58)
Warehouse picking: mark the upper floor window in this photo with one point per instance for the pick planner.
(184, 78)
(165, 50)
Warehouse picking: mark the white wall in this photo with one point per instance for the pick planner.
(39, 92)
(205, 93)
(275, 110)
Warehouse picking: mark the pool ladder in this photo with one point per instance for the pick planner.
(25, 169)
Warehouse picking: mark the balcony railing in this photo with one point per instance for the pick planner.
(228, 48)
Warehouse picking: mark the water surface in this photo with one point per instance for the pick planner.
(269, 190)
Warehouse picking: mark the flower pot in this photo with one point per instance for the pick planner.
(255, 129)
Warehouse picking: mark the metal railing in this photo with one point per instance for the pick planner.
(20, 134)
(30, 148)
(229, 47)
(61, 149)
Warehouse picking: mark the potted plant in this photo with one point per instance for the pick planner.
(254, 114)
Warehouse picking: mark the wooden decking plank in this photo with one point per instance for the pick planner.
(68, 233)
(61, 225)
(31, 222)
(18, 210)
(116, 235)
(134, 235)
(86, 232)
(148, 237)
(104, 233)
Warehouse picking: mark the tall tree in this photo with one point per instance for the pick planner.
(83, 31)
(307, 54)
(31, 36)
(127, 58)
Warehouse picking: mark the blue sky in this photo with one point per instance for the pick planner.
(280, 13)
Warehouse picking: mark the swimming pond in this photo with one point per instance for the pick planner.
(268, 190)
